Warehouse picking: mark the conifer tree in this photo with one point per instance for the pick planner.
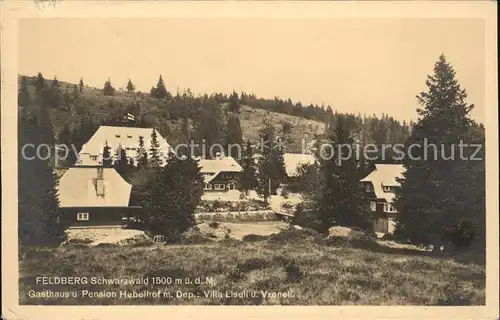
(234, 138)
(160, 92)
(181, 186)
(234, 102)
(38, 198)
(65, 138)
(130, 86)
(23, 95)
(342, 199)
(156, 156)
(121, 163)
(142, 155)
(108, 89)
(271, 167)
(249, 176)
(80, 85)
(211, 127)
(434, 196)
(55, 96)
(107, 159)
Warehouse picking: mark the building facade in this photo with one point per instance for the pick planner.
(380, 185)
(221, 178)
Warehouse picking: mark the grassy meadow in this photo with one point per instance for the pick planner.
(262, 272)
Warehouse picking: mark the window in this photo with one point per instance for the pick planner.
(207, 186)
(387, 189)
(388, 207)
(373, 206)
(117, 135)
(368, 187)
(129, 136)
(93, 158)
(82, 216)
(230, 186)
(218, 186)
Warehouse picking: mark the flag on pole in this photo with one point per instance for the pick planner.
(130, 117)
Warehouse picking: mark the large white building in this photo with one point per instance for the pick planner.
(126, 137)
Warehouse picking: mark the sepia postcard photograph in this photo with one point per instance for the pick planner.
(336, 158)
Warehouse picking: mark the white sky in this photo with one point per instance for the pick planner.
(355, 65)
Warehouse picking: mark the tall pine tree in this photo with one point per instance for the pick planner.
(271, 167)
(142, 155)
(248, 179)
(434, 196)
(341, 200)
(234, 138)
(107, 158)
(156, 156)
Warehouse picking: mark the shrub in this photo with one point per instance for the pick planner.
(213, 224)
(254, 237)
(293, 235)
(252, 264)
(293, 272)
(462, 234)
(80, 241)
(305, 217)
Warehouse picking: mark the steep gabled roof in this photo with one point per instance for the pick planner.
(78, 188)
(210, 168)
(294, 160)
(127, 137)
(385, 175)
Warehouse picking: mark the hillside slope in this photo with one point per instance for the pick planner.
(92, 102)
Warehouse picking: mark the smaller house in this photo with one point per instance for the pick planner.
(94, 196)
(380, 185)
(221, 178)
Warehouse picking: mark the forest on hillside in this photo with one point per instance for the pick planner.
(77, 110)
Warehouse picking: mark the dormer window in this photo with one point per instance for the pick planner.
(117, 136)
(129, 136)
(387, 189)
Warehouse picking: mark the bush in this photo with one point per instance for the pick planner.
(351, 242)
(254, 237)
(79, 241)
(293, 272)
(305, 217)
(462, 234)
(293, 235)
(213, 224)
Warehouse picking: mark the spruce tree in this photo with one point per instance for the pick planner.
(65, 137)
(108, 89)
(107, 159)
(249, 176)
(38, 199)
(142, 155)
(160, 92)
(80, 85)
(234, 102)
(130, 86)
(234, 138)
(55, 95)
(23, 95)
(434, 195)
(121, 163)
(341, 200)
(211, 127)
(271, 167)
(181, 186)
(156, 157)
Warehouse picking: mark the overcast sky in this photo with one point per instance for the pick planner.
(354, 65)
